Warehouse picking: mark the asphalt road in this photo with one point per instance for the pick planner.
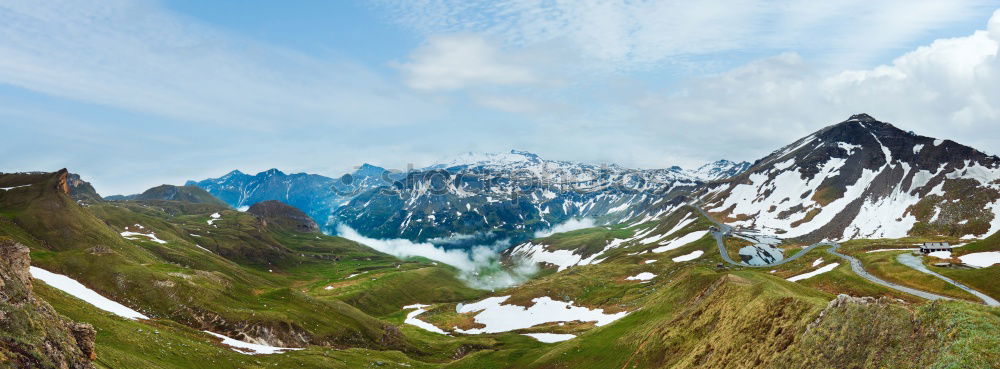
(725, 230)
(914, 262)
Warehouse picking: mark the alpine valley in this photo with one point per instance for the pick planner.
(808, 257)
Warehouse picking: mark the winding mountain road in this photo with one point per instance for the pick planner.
(914, 262)
(725, 230)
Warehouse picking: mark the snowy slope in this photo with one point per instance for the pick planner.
(512, 195)
(863, 178)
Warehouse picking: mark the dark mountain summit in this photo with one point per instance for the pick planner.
(166, 192)
(281, 216)
(863, 178)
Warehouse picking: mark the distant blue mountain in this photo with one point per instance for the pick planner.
(479, 197)
(314, 194)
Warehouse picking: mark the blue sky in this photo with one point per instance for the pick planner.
(135, 93)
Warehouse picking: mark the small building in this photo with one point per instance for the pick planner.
(929, 247)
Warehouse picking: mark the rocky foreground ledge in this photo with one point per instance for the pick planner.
(32, 334)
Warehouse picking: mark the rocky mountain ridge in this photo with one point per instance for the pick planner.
(863, 178)
(314, 194)
(510, 196)
(514, 193)
(273, 213)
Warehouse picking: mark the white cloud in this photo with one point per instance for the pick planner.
(138, 56)
(569, 225)
(622, 35)
(479, 266)
(457, 61)
(508, 103)
(946, 89)
(406, 248)
(148, 78)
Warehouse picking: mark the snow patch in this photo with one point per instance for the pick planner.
(250, 348)
(550, 337)
(11, 188)
(941, 254)
(411, 319)
(981, 259)
(497, 317)
(215, 217)
(644, 276)
(824, 269)
(78, 290)
(688, 257)
(129, 235)
(680, 241)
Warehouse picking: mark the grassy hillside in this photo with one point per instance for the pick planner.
(163, 344)
(749, 319)
(202, 266)
(233, 276)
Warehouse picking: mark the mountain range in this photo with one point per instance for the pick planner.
(472, 198)
(831, 184)
(314, 194)
(807, 257)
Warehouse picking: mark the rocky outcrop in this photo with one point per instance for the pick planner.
(843, 300)
(32, 334)
(276, 214)
(81, 190)
(63, 184)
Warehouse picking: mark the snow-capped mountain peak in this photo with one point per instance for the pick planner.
(479, 159)
(863, 178)
(719, 169)
(515, 194)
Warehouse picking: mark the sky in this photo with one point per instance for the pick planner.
(136, 93)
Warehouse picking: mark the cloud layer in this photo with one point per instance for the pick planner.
(135, 55)
(132, 94)
(478, 266)
(945, 89)
(458, 61)
(569, 225)
(630, 34)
